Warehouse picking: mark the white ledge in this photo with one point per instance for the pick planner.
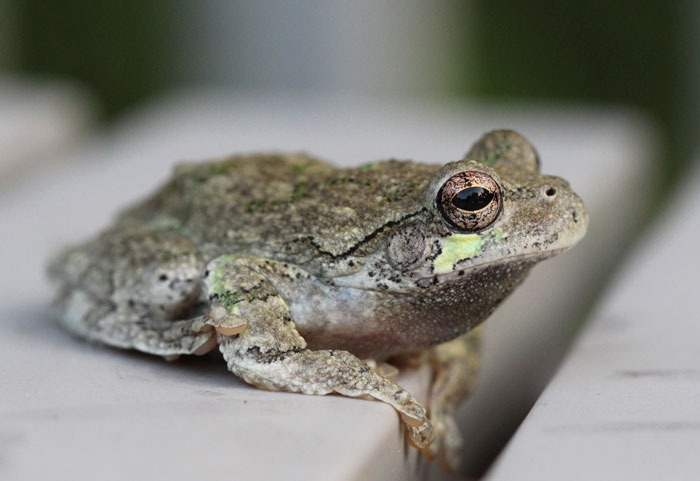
(77, 411)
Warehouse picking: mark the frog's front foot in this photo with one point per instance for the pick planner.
(414, 416)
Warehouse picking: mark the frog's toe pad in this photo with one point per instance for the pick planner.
(421, 436)
(226, 323)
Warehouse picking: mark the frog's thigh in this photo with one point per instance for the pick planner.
(456, 366)
(97, 320)
(101, 300)
(272, 355)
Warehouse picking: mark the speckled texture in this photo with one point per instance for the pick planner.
(298, 270)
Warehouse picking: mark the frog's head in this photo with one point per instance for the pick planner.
(471, 238)
(492, 209)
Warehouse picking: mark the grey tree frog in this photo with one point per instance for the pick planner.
(313, 279)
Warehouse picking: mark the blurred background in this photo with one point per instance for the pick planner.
(97, 62)
(640, 54)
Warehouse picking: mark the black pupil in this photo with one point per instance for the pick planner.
(472, 198)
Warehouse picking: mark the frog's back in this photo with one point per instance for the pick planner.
(283, 206)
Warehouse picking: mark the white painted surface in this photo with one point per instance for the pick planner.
(79, 409)
(626, 403)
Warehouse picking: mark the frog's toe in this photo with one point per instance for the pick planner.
(431, 451)
(225, 322)
(412, 413)
(447, 443)
(388, 371)
(421, 436)
(452, 443)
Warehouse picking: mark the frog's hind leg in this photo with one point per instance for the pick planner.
(272, 355)
(134, 288)
(455, 367)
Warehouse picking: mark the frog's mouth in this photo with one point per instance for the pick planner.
(458, 274)
(466, 258)
(423, 281)
(464, 252)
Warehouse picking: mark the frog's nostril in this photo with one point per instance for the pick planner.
(550, 192)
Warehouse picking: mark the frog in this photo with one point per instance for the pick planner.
(314, 279)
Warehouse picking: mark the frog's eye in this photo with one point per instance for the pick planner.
(470, 200)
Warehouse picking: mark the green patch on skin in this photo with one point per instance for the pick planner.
(218, 280)
(400, 192)
(339, 180)
(205, 173)
(221, 286)
(497, 235)
(255, 205)
(165, 256)
(230, 295)
(186, 213)
(501, 151)
(229, 301)
(261, 205)
(366, 166)
(457, 247)
(300, 191)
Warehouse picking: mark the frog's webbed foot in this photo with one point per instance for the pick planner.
(455, 365)
(272, 355)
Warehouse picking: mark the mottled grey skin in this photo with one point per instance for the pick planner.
(298, 270)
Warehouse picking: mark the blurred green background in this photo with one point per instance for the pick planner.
(640, 54)
(622, 52)
(115, 48)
